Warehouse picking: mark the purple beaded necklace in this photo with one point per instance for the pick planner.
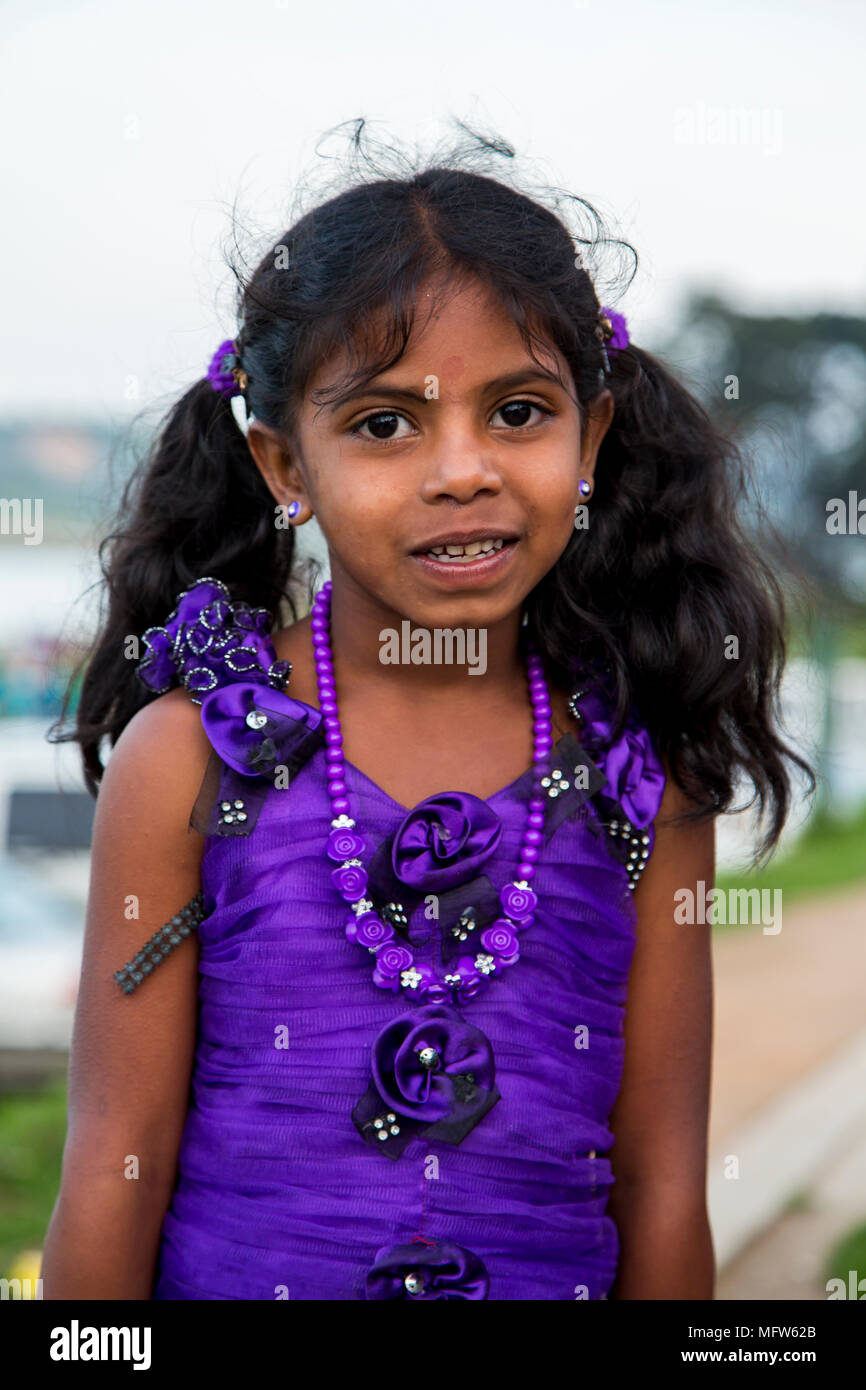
(396, 967)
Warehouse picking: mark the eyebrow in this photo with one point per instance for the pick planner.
(401, 393)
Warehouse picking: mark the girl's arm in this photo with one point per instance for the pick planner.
(131, 1057)
(660, 1119)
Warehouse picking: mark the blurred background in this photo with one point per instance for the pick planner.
(723, 143)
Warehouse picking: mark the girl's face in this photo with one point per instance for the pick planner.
(465, 437)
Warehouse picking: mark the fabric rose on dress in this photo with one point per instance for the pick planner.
(417, 1058)
(444, 841)
(632, 767)
(433, 1073)
(636, 776)
(422, 1271)
(255, 729)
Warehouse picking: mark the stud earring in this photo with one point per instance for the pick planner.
(584, 488)
(292, 510)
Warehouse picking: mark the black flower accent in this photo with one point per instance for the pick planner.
(479, 900)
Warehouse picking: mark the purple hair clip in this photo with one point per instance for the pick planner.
(617, 329)
(613, 331)
(225, 373)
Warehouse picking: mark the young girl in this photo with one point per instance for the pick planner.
(383, 992)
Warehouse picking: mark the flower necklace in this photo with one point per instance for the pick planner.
(395, 966)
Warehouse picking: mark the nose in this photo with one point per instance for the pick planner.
(460, 467)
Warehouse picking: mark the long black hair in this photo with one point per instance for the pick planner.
(653, 590)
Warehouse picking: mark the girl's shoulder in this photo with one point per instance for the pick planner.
(154, 773)
(166, 737)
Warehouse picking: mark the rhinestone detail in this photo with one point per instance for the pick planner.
(638, 843)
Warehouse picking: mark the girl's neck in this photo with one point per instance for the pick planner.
(372, 643)
(416, 729)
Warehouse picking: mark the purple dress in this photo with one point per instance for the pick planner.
(491, 1179)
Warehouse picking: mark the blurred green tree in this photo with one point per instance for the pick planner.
(792, 393)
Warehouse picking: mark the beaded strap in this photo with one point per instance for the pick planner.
(161, 945)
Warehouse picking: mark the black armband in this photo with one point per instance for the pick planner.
(161, 945)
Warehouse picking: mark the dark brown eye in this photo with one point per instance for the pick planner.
(516, 413)
(381, 424)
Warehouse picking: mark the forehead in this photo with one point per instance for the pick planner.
(460, 331)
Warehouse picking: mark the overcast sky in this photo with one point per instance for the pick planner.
(724, 139)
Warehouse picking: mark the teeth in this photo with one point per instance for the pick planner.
(465, 552)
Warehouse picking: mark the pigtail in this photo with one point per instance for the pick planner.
(196, 506)
(679, 601)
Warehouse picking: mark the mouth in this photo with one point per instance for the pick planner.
(463, 552)
(458, 561)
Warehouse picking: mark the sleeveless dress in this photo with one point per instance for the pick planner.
(491, 1179)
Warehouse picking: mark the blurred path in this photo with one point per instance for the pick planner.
(788, 1262)
(785, 1003)
(789, 1096)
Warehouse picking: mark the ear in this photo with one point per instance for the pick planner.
(595, 427)
(276, 464)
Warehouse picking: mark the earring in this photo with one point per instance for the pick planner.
(584, 488)
(292, 510)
